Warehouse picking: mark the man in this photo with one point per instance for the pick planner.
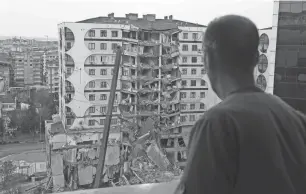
(251, 142)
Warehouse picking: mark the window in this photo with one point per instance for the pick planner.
(103, 33)
(92, 97)
(102, 121)
(192, 106)
(103, 46)
(194, 47)
(68, 45)
(193, 82)
(92, 71)
(193, 71)
(114, 46)
(91, 46)
(113, 121)
(191, 117)
(202, 106)
(103, 85)
(103, 109)
(183, 106)
(115, 108)
(114, 33)
(91, 122)
(113, 59)
(203, 71)
(184, 82)
(183, 94)
(192, 95)
(195, 36)
(103, 59)
(92, 109)
(92, 84)
(184, 71)
(203, 82)
(185, 47)
(92, 58)
(184, 59)
(69, 71)
(202, 94)
(126, 72)
(92, 33)
(183, 118)
(103, 72)
(69, 121)
(103, 97)
(185, 35)
(194, 59)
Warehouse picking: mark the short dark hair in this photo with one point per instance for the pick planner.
(234, 40)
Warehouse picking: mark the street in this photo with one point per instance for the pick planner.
(9, 149)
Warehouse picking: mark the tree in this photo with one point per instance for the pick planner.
(9, 179)
(30, 122)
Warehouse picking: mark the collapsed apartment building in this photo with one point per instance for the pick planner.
(147, 142)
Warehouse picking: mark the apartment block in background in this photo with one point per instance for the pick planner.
(161, 85)
(51, 70)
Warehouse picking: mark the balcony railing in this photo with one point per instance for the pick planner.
(131, 51)
(70, 114)
(149, 42)
(69, 89)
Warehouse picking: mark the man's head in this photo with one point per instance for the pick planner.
(231, 50)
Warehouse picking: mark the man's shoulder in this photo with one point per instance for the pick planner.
(216, 114)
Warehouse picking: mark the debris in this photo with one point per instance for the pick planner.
(159, 158)
(86, 174)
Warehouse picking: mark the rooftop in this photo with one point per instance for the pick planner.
(148, 22)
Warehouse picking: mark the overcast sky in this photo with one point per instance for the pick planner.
(37, 18)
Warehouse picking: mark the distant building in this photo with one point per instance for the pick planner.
(51, 70)
(6, 73)
(29, 68)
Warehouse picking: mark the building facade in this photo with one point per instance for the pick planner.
(290, 61)
(161, 80)
(51, 70)
(28, 68)
(6, 73)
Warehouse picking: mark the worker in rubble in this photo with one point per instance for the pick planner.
(252, 142)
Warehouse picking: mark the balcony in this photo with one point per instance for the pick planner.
(170, 113)
(148, 43)
(153, 188)
(128, 64)
(148, 90)
(69, 113)
(128, 90)
(69, 89)
(170, 125)
(147, 66)
(171, 52)
(132, 51)
(169, 67)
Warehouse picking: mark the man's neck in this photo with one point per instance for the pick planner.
(231, 85)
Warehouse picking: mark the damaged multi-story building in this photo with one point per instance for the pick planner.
(162, 90)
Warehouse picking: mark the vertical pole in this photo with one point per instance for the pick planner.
(103, 146)
(51, 81)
